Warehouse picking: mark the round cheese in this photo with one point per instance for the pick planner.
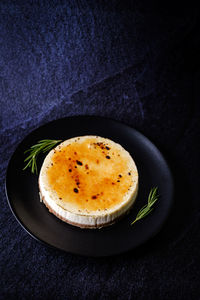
(88, 181)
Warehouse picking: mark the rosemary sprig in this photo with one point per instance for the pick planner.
(147, 209)
(42, 146)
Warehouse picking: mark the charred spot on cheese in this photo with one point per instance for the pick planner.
(79, 163)
(101, 145)
(107, 156)
(75, 190)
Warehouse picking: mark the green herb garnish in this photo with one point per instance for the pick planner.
(146, 209)
(42, 146)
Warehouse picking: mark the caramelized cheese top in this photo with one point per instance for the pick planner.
(89, 174)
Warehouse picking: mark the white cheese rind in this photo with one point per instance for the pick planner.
(87, 219)
(92, 220)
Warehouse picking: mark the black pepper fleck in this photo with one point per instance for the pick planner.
(75, 190)
(107, 156)
(107, 148)
(79, 163)
(70, 170)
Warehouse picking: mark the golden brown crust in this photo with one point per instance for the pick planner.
(101, 181)
(70, 215)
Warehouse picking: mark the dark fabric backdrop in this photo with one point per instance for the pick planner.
(137, 62)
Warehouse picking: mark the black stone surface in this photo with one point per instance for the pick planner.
(137, 62)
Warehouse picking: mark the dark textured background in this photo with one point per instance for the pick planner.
(137, 63)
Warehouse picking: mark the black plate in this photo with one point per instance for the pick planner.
(23, 198)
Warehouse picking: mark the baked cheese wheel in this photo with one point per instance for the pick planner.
(88, 181)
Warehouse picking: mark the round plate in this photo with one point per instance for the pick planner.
(34, 217)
